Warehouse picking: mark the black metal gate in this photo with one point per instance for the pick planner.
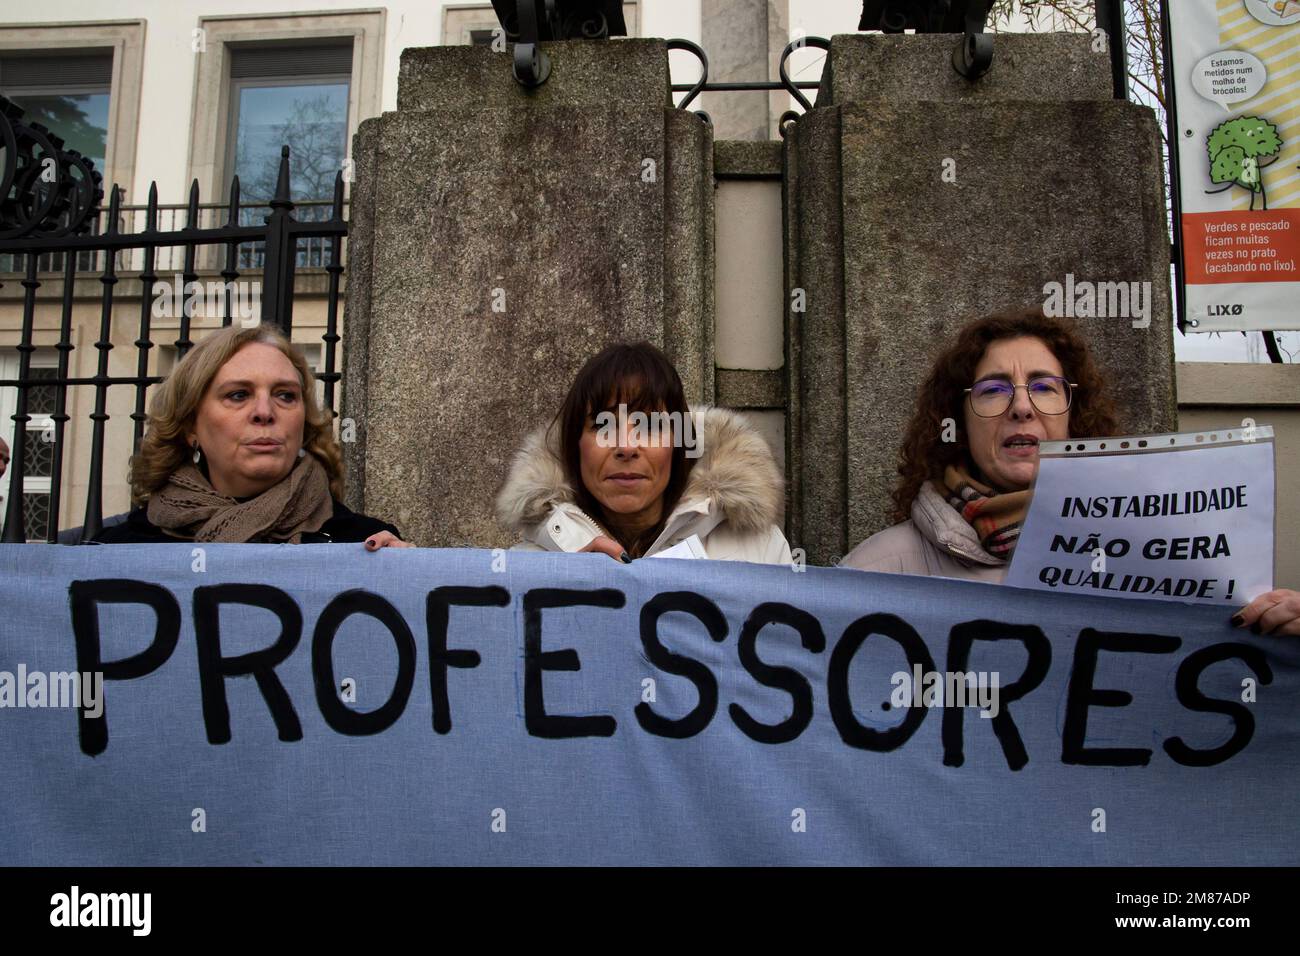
(51, 220)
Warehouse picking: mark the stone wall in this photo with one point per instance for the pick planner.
(500, 237)
(917, 200)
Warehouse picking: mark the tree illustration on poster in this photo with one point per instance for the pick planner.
(1236, 149)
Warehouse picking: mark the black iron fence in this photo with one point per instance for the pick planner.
(52, 232)
(313, 251)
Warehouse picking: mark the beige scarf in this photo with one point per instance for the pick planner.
(189, 507)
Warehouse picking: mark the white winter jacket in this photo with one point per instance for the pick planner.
(733, 499)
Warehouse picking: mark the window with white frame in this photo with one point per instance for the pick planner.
(295, 96)
(83, 79)
(265, 80)
(67, 92)
(468, 24)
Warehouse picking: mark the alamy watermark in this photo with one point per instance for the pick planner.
(75, 908)
(654, 429)
(1098, 300)
(208, 299)
(53, 689)
(946, 689)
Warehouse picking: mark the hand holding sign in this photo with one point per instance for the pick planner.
(603, 544)
(1184, 517)
(385, 539)
(1276, 613)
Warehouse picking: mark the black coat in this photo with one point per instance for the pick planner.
(343, 527)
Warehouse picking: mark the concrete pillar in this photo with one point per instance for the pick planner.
(744, 40)
(499, 237)
(1049, 176)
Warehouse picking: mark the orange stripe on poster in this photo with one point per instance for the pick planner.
(1241, 246)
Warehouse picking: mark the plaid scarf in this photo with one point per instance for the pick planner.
(995, 516)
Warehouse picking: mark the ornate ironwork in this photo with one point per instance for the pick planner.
(46, 191)
(698, 51)
(702, 85)
(818, 43)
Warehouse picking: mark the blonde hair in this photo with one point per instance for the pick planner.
(175, 404)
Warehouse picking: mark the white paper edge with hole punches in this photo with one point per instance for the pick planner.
(1097, 471)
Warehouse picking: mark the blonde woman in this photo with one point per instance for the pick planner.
(237, 450)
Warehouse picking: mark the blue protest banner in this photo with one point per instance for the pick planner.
(320, 705)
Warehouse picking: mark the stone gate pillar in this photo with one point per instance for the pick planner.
(915, 200)
(499, 237)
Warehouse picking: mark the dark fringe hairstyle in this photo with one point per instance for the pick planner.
(640, 376)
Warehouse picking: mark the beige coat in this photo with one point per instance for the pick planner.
(937, 542)
(732, 501)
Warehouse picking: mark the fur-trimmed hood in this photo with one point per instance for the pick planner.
(735, 476)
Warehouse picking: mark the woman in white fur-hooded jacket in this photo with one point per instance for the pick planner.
(595, 480)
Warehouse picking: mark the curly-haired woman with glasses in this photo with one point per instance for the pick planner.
(1010, 381)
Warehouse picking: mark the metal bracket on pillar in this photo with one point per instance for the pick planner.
(973, 55)
(820, 43)
(532, 66)
(527, 23)
(698, 51)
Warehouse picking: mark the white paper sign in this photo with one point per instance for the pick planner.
(691, 547)
(1186, 517)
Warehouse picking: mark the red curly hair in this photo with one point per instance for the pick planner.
(942, 395)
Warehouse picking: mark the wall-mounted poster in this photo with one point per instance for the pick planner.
(1235, 126)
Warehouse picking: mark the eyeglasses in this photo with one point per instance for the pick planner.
(1049, 394)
